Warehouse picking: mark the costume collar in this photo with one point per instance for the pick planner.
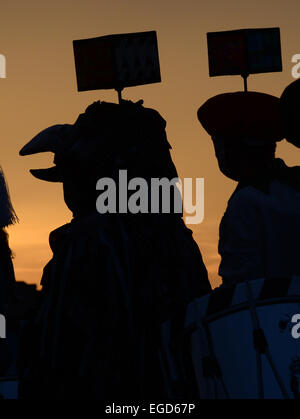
(281, 172)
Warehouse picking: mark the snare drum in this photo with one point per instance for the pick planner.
(242, 342)
(9, 387)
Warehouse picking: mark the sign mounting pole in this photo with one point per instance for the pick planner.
(245, 78)
(119, 90)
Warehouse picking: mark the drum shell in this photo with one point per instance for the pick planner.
(220, 327)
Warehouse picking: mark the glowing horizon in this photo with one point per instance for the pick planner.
(40, 90)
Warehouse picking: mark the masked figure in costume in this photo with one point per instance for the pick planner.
(259, 232)
(117, 286)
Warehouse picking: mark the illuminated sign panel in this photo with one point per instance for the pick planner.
(243, 52)
(117, 61)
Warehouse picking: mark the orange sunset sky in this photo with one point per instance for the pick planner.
(40, 90)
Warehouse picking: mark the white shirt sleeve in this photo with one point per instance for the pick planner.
(241, 243)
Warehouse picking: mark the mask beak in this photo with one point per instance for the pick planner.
(48, 140)
(50, 175)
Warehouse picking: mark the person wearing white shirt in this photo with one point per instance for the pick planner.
(260, 230)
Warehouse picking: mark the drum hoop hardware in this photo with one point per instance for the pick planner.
(214, 367)
(261, 347)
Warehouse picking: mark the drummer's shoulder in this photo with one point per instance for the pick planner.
(245, 199)
(242, 215)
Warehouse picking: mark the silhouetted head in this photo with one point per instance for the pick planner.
(243, 161)
(290, 112)
(7, 218)
(7, 212)
(107, 138)
(244, 127)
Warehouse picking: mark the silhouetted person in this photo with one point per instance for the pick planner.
(8, 339)
(260, 230)
(114, 278)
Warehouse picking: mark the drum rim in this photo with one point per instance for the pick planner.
(9, 378)
(206, 320)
